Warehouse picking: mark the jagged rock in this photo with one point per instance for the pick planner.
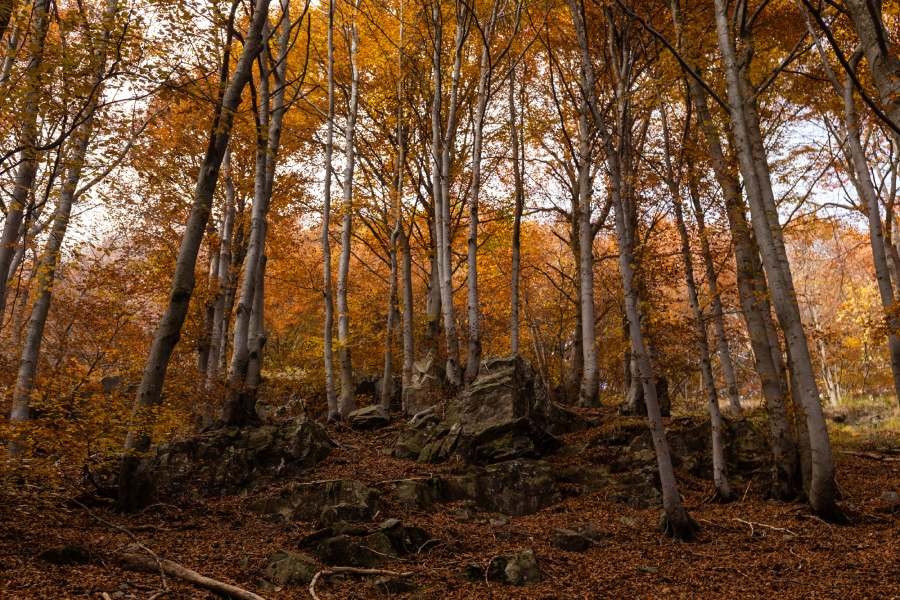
(415, 436)
(515, 568)
(424, 386)
(516, 487)
(290, 568)
(343, 499)
(227, 459)
(343, 551)
(521, 438)
(369, 418)
(420, 493)
(890, 501)
(577, 539)
(404, 539)
(502, 415)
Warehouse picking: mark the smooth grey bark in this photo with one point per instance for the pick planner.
(347, 400)
(482, 97)
(590, 386)
(519, 192)
(717, 424)
(168, 331)
(881, 55)
(238, 409)
(443, 139)
(28, 140)
(677, 521)
(752, 294)
(218, 334)
(754, 169)
(249, 328)
(238, 252)
(257, 334)
(327, 286)
(387, 376)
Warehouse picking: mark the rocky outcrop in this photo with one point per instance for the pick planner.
(290, 568)
(503, 415)
(514, 568)
(228, 459)
(369, 418)
(516, 487)
(325, 501)
(425, 387)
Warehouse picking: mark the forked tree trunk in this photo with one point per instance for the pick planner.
(168, 332)
(249, 328)
(752, 293)
(28, 140)
(482, 97)
(754, 168)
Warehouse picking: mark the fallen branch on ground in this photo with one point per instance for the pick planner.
(352, 570)
(173, 569)
(772, 527)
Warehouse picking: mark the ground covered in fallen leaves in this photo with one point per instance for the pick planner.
(752, 547)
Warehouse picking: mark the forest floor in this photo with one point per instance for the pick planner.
(752, 547)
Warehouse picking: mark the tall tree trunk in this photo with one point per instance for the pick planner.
(754, 169)
(328, 336)
(720, 470)
(28, 140)
(204, 340)
(168, 332)
(49, 262)
(249, 328)
(678, 523)
(239, 405)
(590, 384)
(869, 197)
(718, 314)
(473, 359)
(752, 293)
(347, 402)
(517, 220)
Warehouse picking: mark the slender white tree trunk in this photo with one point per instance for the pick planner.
(328, 336)
(517, 219)
(482, 97)
(754, 168)
(28, 140)
(720, 470)
(348, 401)
(168, 331)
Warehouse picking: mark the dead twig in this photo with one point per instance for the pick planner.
(352, 570)
(772, 527)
